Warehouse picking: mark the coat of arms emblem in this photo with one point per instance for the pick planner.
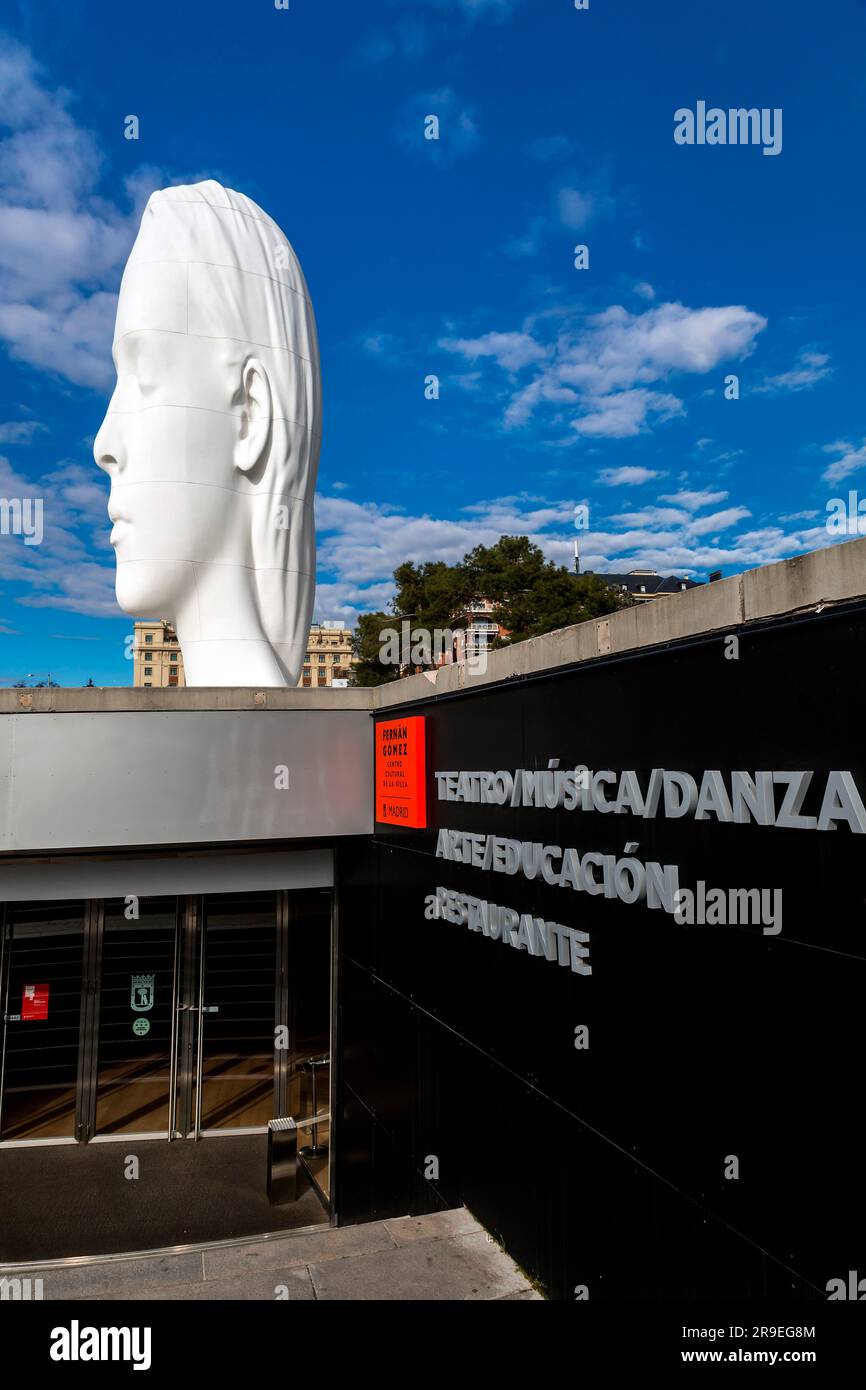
(143, 989)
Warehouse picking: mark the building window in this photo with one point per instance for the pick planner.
(307, 680)
(321, 659)
(323, 679)
(148, 637)
(148, 670)
(147, 682)
(172, 680)
(173, 658)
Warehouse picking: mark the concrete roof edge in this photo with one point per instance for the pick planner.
(137, 699)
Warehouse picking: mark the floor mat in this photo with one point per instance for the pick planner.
(77, 1200)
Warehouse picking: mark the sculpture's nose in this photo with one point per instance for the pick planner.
(107, 445)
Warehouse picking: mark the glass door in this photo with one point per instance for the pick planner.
(42, 971)
(167, 1017)
(136, 1016)
(238, 1011)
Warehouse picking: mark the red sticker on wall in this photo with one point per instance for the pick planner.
(401, 793)
(34, 1002)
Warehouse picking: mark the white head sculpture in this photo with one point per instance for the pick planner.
(212, 436)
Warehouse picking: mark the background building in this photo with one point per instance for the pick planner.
(158, 659)
(329, 655)
(647, 584)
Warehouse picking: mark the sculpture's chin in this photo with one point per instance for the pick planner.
(145, 590)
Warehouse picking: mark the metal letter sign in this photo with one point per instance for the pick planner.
(401, 794)
(143, 989)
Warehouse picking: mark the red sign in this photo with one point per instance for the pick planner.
(34, 1002)
(401, 793)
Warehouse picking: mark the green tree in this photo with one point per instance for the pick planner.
(432, 595)
(367, 642)
(531, 596)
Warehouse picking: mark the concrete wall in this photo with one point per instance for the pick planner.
(107, 778)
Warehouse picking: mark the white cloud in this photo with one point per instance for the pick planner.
(61, 245)
(692, 501)
(645, 290)
(576, 209)
(621, 477)
(625, 413)
(19, 431)
(605, 367)
(808, 370)
(512, 351)
(717, 521)
(652, 516)
(851, 460)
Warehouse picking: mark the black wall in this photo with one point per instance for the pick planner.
(605, 1167)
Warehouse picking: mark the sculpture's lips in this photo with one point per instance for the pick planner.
(120, 521)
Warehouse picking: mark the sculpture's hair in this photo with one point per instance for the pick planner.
(245, 287)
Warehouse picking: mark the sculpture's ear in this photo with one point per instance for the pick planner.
(255, 418)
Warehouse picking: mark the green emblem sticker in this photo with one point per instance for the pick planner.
(141, 1027)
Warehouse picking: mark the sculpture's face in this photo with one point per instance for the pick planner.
(167, 444)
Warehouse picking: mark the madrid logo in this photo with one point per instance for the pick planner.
(142, 991)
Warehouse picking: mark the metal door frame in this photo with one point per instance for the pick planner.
(89, 1047)
(186, 1012)
(282, 1004)
(189, 1014)
(88, 1030)
(5, 975)
(6, 929)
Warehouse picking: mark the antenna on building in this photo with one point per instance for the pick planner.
(576, 555)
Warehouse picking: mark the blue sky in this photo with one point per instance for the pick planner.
(455, 258)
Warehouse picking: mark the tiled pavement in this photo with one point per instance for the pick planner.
(447, 1255)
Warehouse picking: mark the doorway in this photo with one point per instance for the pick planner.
(167, 1018)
